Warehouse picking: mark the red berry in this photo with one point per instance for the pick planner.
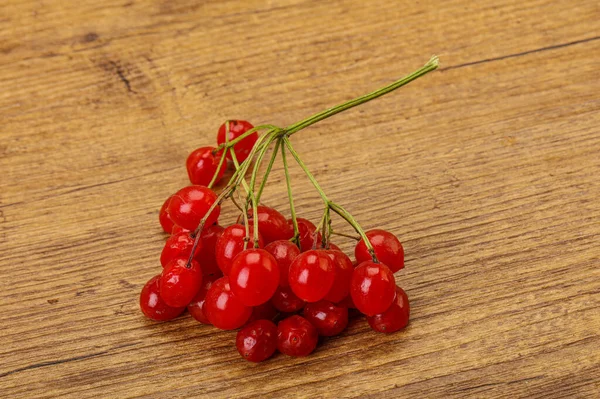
(343, 275)
(272, 225)
(152, 304)
(163, 217)
(222, 308)
(328, 319)
(254, 276)
(306, 230)
(372, 288)
(236, 129)
(395, 317)
(206, 256)
(284, 252)
(202, 165)
(257, 341)
(296, 336)
(388, 249)
(178, 229)
(196, 306)
(190, 204)
(347, 302)
(231, 243)
(286, 301)
(178, 284)
(266, 311)
(178, 245)
(312, 275)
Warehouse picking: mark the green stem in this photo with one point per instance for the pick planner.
(288, 183)
(233, 142)
(214, 178)
(430, 66)
(310, 176)
(352, 222)
(268, 171)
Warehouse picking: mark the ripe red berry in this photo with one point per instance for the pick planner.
(236, 129)
(372, 288)
(178, 229)
(388, 249)
(202, 164)
(254, 276)
(306, 230)
(272, 225)
(190, 204)
(178, 245)
(284, 252)
(152, 304)
(296, 336)
(222, 308)
(257, 341)
(395, 317)
(312, 275)
(231, 243)
(196, 306)
(343, 274)
(286, 301)
(206, 256)
(266, 311)
(178, 284)
(328, 319)
(163, 217)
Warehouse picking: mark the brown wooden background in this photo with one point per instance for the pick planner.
(488, 170)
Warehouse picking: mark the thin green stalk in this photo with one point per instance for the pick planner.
(268, 171)
(352, 222)
(310, 176)
(288, 183)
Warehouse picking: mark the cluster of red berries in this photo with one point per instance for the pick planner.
(300, 280)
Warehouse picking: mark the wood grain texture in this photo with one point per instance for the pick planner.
(487, 170)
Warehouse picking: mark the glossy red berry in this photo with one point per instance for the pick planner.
(286, 301)
(196, 306)
(231, 243)
(296, 336)
(388, 249)
(257, 341)
(152, 304)
(347, 302)
(236, 129)
(372, 288)
(395, 317)
(272, 225)
(190, 204)
(312, 275)
(254, 276)
(178, 229)
(178, 284)
(266, 311)
(178, 245)
(329, 319)
(163, 217)
(222, 308)
(343, 274)
(206, 256)
(306, 230)
(202, 164)
(284, 252)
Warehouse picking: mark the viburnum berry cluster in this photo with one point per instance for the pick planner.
(266, 268)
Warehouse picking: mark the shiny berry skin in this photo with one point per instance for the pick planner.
(202, 164)
(372, 288)
(152, 304)
(178, 245)
(388, 249)
(189, 205)
(236, 129)
(178, 284)
(284, 252)
(254, 276)
(272, 225)
(306, 230)
(343, 274)
(312, 275)
(395, 318)
(196, 306)
(206, 256)
(178, 229)
(257, 341)
(266, 311)
(231, 243)
(286, 301)
(163, 217)
(329, 319)
(222, 308)
(296, 336)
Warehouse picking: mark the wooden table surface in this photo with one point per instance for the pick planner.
(487, 169)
